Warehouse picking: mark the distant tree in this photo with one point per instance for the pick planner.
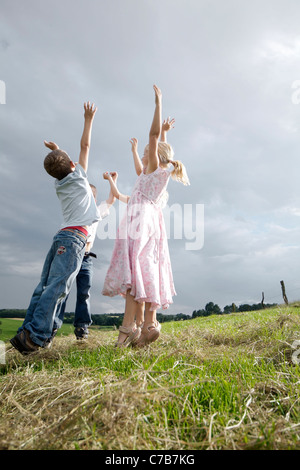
(245, 308)
(249, 308)
(228, 309)
(212, 309)
(11, 313)
(182, 316)
(199, 313)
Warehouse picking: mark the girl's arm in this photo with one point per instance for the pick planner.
(166, 126)
(154, 134)
(104, 206)
(115, 192)
(137, 161)
(111, 198)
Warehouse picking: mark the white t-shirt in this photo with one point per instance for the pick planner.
(76, 198)
(103, 210)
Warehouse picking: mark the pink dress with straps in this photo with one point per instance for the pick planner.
(140, 260)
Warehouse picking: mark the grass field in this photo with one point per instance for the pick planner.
(220, 382)
(10, 326)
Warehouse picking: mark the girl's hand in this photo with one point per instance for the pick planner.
(134, 144)
(158, 94)
(51, 145)
(168, 124)
(89, 110)
(114, 175)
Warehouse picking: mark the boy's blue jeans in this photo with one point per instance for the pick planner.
(83, 284)
(60, 269)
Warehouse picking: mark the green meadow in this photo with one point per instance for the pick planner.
(219, 382)
(10, 326)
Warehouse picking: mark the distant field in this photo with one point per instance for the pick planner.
(9, 327)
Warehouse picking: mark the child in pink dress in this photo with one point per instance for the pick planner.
(140, 267)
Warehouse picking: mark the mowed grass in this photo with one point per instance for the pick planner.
(220, 382)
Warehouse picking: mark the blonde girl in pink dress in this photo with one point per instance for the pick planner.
(140, 267)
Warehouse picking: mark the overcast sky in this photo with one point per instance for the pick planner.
(226, 69)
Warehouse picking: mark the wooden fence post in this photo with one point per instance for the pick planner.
(283, 293)
(262, 300)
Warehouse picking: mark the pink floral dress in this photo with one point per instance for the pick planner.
(140, 260)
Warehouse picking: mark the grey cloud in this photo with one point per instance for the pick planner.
(226, 71)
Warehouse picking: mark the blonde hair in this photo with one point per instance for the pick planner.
(94, 190)
(166, 154)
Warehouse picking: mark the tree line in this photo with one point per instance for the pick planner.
(105, 319)
(115, 319)
(214, 309)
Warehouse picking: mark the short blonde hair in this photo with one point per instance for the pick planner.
(94, 190)
(57, 164)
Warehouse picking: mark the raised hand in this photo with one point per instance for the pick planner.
(114, 175)
(168, 124)
(137, 161)
(158, 94)
(51, 145)
(89, 110)
(134, 144)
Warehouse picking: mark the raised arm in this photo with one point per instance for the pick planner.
(85, 143)
(111, 198)
(154, 134)
(115, 192)
(167, 125)
(136, 158)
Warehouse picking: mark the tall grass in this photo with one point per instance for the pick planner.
(220, 382)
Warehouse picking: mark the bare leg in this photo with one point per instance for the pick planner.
(151, 328)
(140, 314)
(150, 315)
(131, 309)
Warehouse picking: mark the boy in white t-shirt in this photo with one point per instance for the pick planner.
(65, 256)
(84, 278)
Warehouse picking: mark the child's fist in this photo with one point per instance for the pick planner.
(114, 175)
